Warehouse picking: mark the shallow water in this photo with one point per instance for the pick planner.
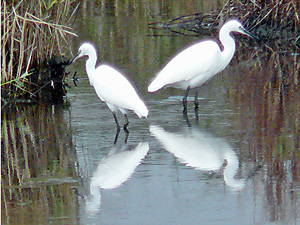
(238, 163)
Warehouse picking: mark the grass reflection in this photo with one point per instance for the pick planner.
(266, 96)
(38, 173)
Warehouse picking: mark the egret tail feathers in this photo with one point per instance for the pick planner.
(141, 110)
(155, 85)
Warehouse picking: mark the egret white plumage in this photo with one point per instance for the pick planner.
(197, 64)
(111, 86)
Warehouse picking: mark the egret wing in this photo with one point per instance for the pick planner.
(112, 87)
(197, 60)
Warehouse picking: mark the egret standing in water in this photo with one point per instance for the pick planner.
(112, 87)
(199, 63)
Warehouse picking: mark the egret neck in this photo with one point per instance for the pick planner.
(228, 46)
(91, 65)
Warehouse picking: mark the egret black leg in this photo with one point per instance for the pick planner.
(126, 135)
(118, 128)
(125, 128)
(196, 100)
(196, 115)
(184, 100)
(116, 119)
(126, 122)
(116, 137)
(196, 105)
(187, 119)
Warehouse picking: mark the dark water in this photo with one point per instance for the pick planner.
(237, 164)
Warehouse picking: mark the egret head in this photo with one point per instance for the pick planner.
(86, 49)
(236, 26)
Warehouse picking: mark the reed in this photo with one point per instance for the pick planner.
(31, 35)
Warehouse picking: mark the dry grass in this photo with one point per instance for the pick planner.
(275, 22)
(30, 35)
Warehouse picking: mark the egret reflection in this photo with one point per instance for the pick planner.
(114, 170)
(201, 151)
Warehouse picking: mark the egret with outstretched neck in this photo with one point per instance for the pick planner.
(111, 87)
(197, 64)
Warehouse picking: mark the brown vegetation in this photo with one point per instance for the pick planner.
(30, 37)
(276, 23)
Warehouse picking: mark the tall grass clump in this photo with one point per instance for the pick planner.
(32, 32)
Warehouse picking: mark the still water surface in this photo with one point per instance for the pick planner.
(237, 164)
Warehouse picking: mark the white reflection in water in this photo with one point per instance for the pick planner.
(114, 170)
(201, 151)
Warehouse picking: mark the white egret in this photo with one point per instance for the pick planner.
(111, 86)
(199, 63)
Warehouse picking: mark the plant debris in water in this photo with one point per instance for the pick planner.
(276, 23)
(48, 78)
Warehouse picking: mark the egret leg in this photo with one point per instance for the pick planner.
(116, 119)
(118, 128)
(196, 105)
(184, 100)
(196, 115)
(116, 137)
(125, 128)
(126, 135)
(187, 120)
(126, 122)
(196, 100)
